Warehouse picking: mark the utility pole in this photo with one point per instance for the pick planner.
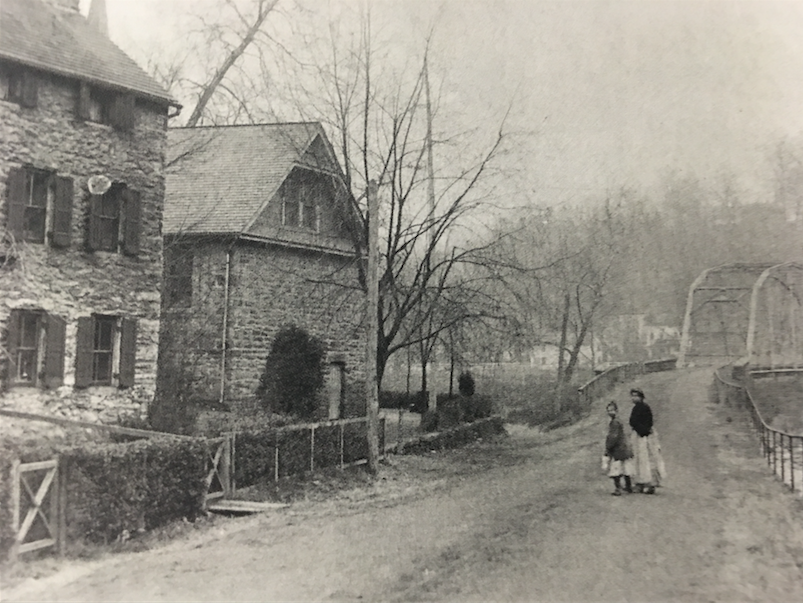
(372, 338)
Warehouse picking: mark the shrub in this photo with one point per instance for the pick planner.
(465, 383)
(476, 407)
(135, 486)
(293, 373)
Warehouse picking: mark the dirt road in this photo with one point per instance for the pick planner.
(533, 523)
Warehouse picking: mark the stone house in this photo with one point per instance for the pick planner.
(82, 141)
(259, 235)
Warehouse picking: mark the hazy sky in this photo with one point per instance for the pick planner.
(617, 93)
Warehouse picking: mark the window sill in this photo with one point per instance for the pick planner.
(98, 125)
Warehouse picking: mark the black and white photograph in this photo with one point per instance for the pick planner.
(401, 301)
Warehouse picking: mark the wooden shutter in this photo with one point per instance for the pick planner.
(16, 188)
(30, 86)
(131, 221)
(12, 339)
(84, 351)
(62, 213)
(128, 351)
(94, 238)
(84, 97)
(122, 112)
(54, 352)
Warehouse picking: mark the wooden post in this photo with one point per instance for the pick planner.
(312, 448)
(372, 390)
(276, 460)
(341, 445)
(61, 520)
(15, 507)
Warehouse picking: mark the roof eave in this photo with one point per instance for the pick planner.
(165, 100)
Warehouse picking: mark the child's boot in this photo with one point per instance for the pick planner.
(628, 485)
(618, 488)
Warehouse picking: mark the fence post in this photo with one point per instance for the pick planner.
(276, 458)
(15, 507)
(312, 448)
(783, 460)
(341, 445)
(61, 518)
(792, 462)
(232, 480)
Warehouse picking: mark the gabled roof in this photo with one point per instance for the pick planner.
(219, 178)
(35, 33)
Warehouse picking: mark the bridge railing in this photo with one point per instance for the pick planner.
(607, 380)
(783, 451)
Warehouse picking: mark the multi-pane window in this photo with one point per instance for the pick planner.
(103, 349)
(39, 195)
(301, 201)
(106, 351)
(28, 346)
(114, 220)
(39, 206)
(35, 348)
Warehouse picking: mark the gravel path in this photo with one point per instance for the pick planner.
(533, 521)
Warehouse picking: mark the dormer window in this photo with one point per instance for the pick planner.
(301, 202)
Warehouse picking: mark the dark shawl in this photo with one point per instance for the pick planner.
(641, 418)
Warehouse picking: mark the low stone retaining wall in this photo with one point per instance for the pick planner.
(451, 438)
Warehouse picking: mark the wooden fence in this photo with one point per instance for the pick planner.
(38, 490)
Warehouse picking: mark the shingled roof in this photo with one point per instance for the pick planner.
(219, 178)
(35, 33)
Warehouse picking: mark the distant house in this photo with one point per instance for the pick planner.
(80, 265)
(258, 235)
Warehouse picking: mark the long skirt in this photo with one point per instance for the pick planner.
(648, 460)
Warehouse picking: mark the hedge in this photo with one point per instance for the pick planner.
(453, 438)
(135, 486)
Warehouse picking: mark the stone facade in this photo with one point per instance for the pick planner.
(232, 284)
(68, 280)
(269, 287)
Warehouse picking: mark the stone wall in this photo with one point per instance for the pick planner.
(72, 282)
(270, 287)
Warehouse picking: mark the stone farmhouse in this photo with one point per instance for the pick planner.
(259, 235)
(82, 142)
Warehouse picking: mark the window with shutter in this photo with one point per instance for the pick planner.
(61, 232)
(18, 85)
(54, 351)
(104, 219)
(39, 206)
(16, 188)
(30, 89)
(84, 346)
(131, 221)
(83, 107)
(25, 342)
(128, 351)
(105, 336)
(122, 113)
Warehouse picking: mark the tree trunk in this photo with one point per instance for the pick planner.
(561, 351)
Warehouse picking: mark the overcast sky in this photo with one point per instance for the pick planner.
(618, 93)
